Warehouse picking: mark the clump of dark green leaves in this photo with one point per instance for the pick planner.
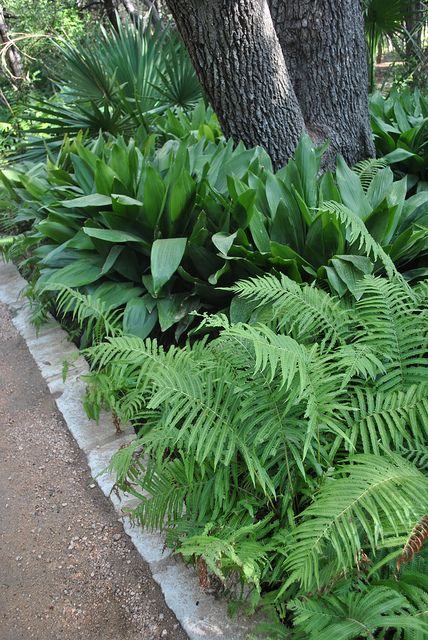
(400, 126)
(166, 231)
(285, 454)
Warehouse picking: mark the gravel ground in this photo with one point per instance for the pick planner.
(67, 570)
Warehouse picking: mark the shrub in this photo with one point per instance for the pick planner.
(288, 453)
(400, 126)
(179, 224)
(118, 84)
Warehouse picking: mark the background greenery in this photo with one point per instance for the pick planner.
(264, 332)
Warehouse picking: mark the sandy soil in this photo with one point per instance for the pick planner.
(67, 570)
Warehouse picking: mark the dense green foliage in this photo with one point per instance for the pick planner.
(400, 125)
(117, 83)
(294, 446)
(266, 333)
(178, 222)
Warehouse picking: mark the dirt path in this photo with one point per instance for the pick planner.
(67, 570)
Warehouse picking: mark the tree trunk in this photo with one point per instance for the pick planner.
(414, 14)
(110, 10)
(154, 11)
(12, 57)
(325, 52)
(237, 55)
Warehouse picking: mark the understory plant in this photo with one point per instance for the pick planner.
(287, 454)
(400, 127)
(167, 230)
(118, 83)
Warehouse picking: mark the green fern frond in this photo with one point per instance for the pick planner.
(303, 311)
(395, 328)
(389, 420)
(227, 550)
(355, 615)
(358, 233)
(353, 507)
(90, 313)
(367, 169)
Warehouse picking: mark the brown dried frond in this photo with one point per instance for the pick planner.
(415, 542)
(204, 580)
(116, 421)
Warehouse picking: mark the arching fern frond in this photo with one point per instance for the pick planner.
(367, 169)
(394, 327)
(367, 498)
(358, 233)
(389, 421)
(90, 313)
(354, 615)
(305, 312)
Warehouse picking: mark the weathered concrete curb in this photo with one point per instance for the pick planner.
(201, 616)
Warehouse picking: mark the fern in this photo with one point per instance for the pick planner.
(368, 169)
(353, 507)
(394, 327)
(394, 420)
(355, 615)
(303, 311)
(90, 313)
(260, 425)
(359, 234)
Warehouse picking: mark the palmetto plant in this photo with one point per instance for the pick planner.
(382, 18)
(116, 84)
(283, 451)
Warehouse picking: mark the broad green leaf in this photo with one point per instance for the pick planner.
(153, 195)
(258, 231)
(110, 235)
(171, 310)
(274, 193)
(55, 230)
(93, 200)
(137, 320)
(34, 186)
(308, 165)
(180, 195)
(84, 174)
(380, 186)
(124, 205)
(351, 191)
(115, 294)
(77, 274)
(223, 241)
(166, 256)
(104, 178)
(398, 155)
(351, 271)
(112, 256)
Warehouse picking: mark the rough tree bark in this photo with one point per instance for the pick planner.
(414, 14)
(325, 51)
(262, 97)
(111, 14)
(12, 56)
(237, 55)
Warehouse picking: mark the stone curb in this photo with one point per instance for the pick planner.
(201, 615)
